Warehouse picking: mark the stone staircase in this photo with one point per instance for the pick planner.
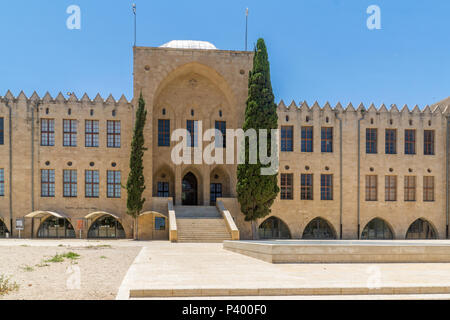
(200, 224)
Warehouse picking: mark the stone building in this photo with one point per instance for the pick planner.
(353, 172)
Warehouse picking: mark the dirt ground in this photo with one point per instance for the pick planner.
(95, 275)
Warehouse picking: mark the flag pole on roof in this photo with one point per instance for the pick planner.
(246, 27)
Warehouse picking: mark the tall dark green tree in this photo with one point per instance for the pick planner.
(256, 192)
(136, 181)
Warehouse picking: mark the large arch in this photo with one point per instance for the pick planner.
(3, 229)
(377, 229)
(273, 228)
(53, 224)
(105, 226)
(203, 70)
(319, 229)
(421, 229)
(190, 190)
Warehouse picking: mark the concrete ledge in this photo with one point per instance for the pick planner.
(218, 292)
(173, 231)
(343, 251)
(229, 222)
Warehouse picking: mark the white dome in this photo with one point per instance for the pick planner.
(189, 44)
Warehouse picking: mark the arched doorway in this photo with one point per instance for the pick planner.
(273, 228)
(189, 194)
(319, 229)
(421, 230)
(54, 227)
(106, 227)
(3, 229)
(377, 229)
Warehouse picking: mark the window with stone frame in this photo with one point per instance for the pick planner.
(428, 142)
(113, 184)
(113, 133)
(390, 188)
(70, 183)
(306, 187)
(326, 139)
(47, 183)
(410, 188)
(410, 141)
(287, 186)
(47, 132)
(287, 138)
(391, 141)
(92, 184)
(371, 140)
(69, 133)
(307, 135)
(92, 133)
(326, 187)
(371, 188)
(428, 188)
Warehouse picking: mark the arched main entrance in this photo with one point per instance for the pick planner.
(377, 229)
(54, 227)
(319, 229)
(3, 229)
(189, 191)
(273, 228)
(106, 227)
(421, 230)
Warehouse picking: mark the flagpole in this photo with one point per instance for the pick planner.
(134, 12)
(246, 28)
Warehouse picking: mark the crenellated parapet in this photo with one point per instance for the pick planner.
(371, 111)
(60, 99)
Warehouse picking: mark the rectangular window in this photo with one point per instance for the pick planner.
(215, 192)
(391, 188)
(287, 186)
(428, 188)
(222, 127)
(327, 139)
(47, 132)
(163, 133)
(2, 131)
(306, 187)
(372, 188)
(287, 138)
(69, 133)
(92, 182)
(326, 187)
(47, 183)
(192, 128)
(160, 223)
(163, 189)
(2, 182)
(371, 140)
(307, 139)
(410, 141)
(113, 184)
(410, 188)
(70, 183)
(391, 141)
(428, 142)
(91, 133)
(113, 133)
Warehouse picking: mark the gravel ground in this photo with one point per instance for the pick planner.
(95, 275)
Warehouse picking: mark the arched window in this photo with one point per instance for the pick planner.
(273, 228)
(106, 227)
(377, 229)
(54, 227)
(319, 228)
(421, 229)
(3, 229)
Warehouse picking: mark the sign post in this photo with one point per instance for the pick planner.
(20, 225)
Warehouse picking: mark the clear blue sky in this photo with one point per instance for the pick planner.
(318, 49)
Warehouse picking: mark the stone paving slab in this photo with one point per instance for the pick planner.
(167, 269)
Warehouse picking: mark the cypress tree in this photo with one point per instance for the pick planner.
(256, 192)
(136, 181)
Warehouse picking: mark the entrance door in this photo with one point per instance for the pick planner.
(189, 195)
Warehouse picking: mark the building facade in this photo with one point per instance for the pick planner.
(353, 172)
